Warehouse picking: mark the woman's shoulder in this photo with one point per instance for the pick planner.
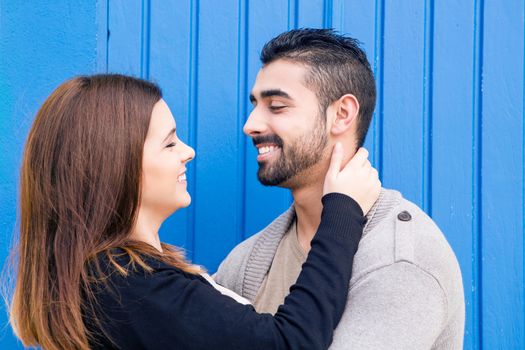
(125, 294)
(127, 291)
(120, 264)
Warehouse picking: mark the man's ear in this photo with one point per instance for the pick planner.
(345, 112)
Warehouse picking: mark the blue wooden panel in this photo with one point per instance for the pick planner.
(309, 13)
(218, 194)
(358, 19)
(125, 43)
(170, 65)
(502, 309)
(263, 204)
(41, 45)
(453, 159)
(448, 130)
(404, 48)
(102, 35)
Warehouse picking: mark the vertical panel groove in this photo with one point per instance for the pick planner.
(296, 14)
(523, 172)
(192, 122)
(378, 72)
(142, 39)
(145, 39)
(328, 13)
(107, 35)
(428, 66)
(242, 68)
(336, 11)
(293, 14)
(102, 36)
(289, 22)
(477, 242)
(341, 14)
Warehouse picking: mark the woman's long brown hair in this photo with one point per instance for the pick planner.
(79, 196)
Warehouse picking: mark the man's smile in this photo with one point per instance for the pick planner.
(266, 151)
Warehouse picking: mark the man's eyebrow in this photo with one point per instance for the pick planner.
(274, 92)
(270, 93)
(172, 131)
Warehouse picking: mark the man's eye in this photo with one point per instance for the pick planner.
(173, 144)
(276, 108)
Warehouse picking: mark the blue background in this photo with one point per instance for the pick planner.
(448, 131)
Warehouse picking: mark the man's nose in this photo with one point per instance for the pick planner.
(255, 125)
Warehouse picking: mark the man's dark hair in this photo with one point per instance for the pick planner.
(337, 66)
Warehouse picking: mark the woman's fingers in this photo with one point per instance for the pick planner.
(336, 160)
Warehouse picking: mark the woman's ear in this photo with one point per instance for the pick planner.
(345, 112)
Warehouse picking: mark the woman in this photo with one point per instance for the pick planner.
(102, 169)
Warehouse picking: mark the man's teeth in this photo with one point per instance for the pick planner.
(181, 178)
(266, 149)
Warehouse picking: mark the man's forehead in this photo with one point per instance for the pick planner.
(284, 76)
(282, 69)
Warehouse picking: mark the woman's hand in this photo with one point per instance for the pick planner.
(358, 179)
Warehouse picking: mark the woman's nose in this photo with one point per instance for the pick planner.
(189, 153)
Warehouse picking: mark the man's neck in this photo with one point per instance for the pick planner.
(307, 201)
(308, 208)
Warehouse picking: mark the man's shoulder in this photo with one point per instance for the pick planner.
(402, 234)
(408, 235)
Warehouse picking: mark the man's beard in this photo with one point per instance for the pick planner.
(301, 154)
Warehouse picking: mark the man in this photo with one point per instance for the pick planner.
(316, 88)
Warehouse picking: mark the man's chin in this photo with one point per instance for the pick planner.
(268, 179)
(274, 181)
(269, 182)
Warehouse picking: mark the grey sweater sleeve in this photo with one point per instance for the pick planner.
(399, 306)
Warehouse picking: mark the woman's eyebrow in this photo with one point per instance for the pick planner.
(172, 131)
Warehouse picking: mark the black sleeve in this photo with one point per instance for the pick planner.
(167, 309)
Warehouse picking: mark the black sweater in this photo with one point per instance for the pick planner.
(171, 309)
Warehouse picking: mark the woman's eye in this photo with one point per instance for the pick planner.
(171, 144)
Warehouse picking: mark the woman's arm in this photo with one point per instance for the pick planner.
(169, 309)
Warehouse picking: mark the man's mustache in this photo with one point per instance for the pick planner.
(276, 140)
